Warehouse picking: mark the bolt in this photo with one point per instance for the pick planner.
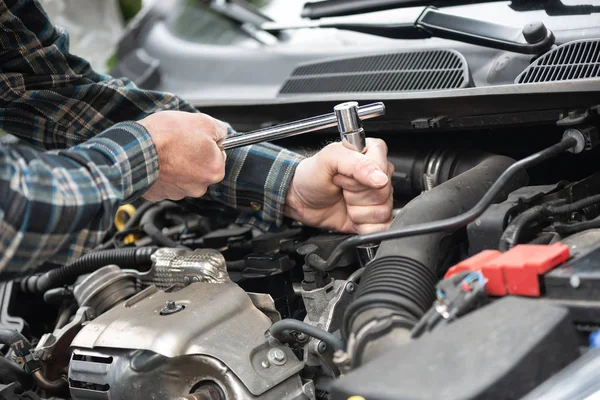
(575, 281)
(301, 337)
(265, 364)
(171, 307)
(350, 287)
(322, 347)
(277, 356)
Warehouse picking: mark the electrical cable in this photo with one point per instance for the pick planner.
(512, 233)
(280, 328)
(449, 224)
(148, 225)
(130, 224)
(569, 229)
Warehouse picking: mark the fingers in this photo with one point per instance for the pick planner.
(221, 129)
(189, 155)
(372, 228)
(368, 170)
(362, 213)
(377, 151)
(353, 185)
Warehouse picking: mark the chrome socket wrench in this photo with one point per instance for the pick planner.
(347, 116)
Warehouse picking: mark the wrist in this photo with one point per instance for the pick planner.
(293, 207)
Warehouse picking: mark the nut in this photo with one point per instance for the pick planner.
(322, 347)
(350, 287)
(277, 356)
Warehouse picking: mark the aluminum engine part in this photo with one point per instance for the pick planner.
(218, 336)
(325, 309)
(53, 348)
(180, 267)
(105, 288)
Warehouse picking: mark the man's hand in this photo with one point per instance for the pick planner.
(190, 159)
(342, 190)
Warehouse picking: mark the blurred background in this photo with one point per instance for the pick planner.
(95, 26)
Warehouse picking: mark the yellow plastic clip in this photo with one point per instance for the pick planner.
(124, 213)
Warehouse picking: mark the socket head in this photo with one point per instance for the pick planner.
(347, 117)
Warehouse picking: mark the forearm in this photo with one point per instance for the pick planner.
(257, 179)
(56, 205)
(54, 99)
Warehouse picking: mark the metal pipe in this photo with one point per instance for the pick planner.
(50, 386)
(298, 127)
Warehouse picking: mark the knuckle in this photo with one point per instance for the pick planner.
(217, 175)
(382, 214)
(391, 168)
(379, 144)
(198, 191)
(365, 164)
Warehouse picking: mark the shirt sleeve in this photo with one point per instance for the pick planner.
(54, 100)
(56, 204)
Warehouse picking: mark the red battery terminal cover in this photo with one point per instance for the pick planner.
(515, 271)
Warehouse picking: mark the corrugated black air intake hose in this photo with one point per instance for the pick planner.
(398, 286)
(127, 258)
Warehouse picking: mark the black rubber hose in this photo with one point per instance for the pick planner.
(131, 223)
(280, 331)
(11, 372)
(570, 229)
(513, 231)
(131, 258)
(398, 286)
(446, 224)
(22, 349)
(411, 165)
(148, 224)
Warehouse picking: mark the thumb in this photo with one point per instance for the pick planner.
(343, 161)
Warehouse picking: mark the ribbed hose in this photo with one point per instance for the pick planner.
(398, 282)
(398, 286)
(128, 258)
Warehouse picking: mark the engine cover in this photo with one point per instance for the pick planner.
(169, 344)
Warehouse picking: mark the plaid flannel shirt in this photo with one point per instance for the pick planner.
(88, 157)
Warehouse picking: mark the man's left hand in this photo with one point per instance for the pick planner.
(342, 190)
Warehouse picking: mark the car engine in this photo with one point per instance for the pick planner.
(484, 287)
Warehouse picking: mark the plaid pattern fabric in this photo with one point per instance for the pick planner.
(59, 197)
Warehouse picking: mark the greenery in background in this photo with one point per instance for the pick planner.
(129, 8)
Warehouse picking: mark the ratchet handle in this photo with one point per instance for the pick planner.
(309, 125)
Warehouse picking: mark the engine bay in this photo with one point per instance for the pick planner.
(480, 269)
(484, 287)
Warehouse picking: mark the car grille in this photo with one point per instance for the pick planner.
(397, 72)
(574, 60)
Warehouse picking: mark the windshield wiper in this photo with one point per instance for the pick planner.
(339, 8)
(433, 23)
(554, 7)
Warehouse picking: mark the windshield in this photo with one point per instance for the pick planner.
(195, 21)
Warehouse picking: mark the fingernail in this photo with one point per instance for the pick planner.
(378, 178)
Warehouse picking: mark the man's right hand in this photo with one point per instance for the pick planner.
(190, 159)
